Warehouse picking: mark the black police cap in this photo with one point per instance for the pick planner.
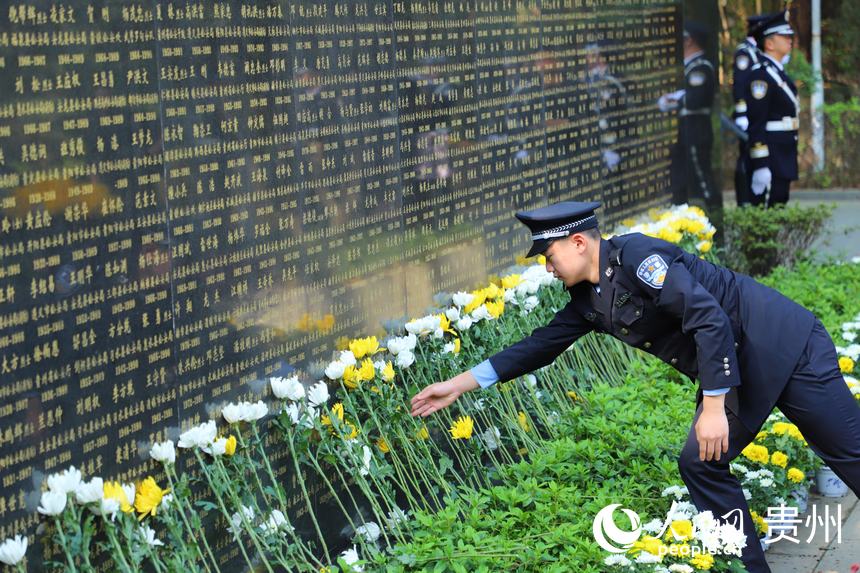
(557, 220)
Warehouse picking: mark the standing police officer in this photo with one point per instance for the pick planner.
(750, 347)
(691, 175)
(747, 55)
(772, 109)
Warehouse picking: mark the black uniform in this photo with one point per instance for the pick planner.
(691, 156)
(772, 108)
(728, 331)
(747, 55)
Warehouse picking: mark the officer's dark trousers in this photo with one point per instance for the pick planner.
(742, 176)
(778, 193)
(818, 401)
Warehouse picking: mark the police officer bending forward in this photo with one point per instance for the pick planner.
(750, 348)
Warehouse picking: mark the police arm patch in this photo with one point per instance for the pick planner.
(652, 271)
(743, 62)
(697, 78)
(758, 89)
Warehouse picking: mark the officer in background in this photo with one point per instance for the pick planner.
(747, 55)
(691, 176)
(772, 109)
(750, 347)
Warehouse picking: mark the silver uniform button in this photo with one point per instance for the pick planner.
(725, 366)
(647, 345)
(726, 360)
(674, 361)
(736, 344)
(625, 332)
(728, 372)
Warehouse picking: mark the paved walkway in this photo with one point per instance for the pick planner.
(824, 552)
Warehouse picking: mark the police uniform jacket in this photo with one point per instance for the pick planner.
(746, 56)
(695, 111)
(712, 324)
(772, 107)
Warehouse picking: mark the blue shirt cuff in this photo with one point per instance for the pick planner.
(718, 392)
(485, 374)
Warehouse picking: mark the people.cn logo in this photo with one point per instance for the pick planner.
(609, 536)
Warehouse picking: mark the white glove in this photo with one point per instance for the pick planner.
(742, 122)
(761, 180)
(668, 102)
(611, 158)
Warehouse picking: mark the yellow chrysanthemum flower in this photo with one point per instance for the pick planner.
(523, 421)
(382, 445)
(761, 435)
(670, 235)
(230, 446)
(456, 346)
(388, 372)
(478, 300)
(496, 308)
(148, 497)
(795, 475)
(462, 428)
(779, 459)
(846, 365)
(794, 432)
(756, 453)
(362, 347)
(493, 291)
(423, 434)
(780, 428)
(681, 530)
(697, 210)
(511, 281)
(705, 246)
(445, 324)
(648, 544)
(702, 561)
(761, 525)
(351, 378)
(573, 396)
(352, 431)
(337, 411)
(113, 490)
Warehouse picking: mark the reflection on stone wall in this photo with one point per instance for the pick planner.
(196, 195)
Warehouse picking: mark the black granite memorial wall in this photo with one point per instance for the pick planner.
(197, 195)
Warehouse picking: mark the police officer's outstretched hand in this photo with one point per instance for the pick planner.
(442, 394)
(712, 430)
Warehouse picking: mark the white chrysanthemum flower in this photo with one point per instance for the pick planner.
(452, 314)
(481, 313)
(531, 380)
(766, 482)
(147, 535)
(236, 519)
(510, 297)
(216, 448)
(90, 492)
(449, 348)
(675, 491)
(739, 469)
(52, 503)
(653, 526)
(13, 550)
(397, 516)
(107, 507)
(350, 557)
(347, 358)
(479, 404)
(492, 438)
(244, 412)
(366, 457)
(424, 325)
(369, 531)
(163, 452)
(405, 359)
(198, 436)
(166, 501)
(335, 370)
(683, 510)
(287, 388)
(399, 344)
(462, 299)
(277, 522)
(464, 323)
(645, 557)
(531, 303)
(318, 394)
(67, 481)
(619, 560)
(747, 494)
(680, 568)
